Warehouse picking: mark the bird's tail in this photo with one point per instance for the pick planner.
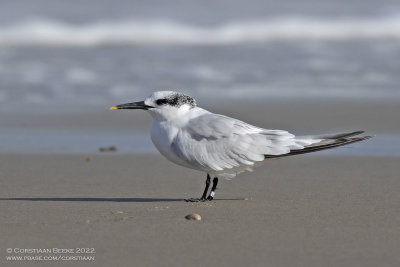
(326, 142)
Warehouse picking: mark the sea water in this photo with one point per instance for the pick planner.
(75, 54)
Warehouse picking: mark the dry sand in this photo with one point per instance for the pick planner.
(299, 211)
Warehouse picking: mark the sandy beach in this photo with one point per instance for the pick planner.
(298, 211)
(309, 67)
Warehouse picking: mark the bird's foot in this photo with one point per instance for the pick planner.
(204, 196)
(196, 199)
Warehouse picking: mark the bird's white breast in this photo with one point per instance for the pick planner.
(162, 136)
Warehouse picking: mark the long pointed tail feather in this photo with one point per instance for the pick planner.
(336, 141)
(338, 135)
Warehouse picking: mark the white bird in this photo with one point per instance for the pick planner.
(219, 145)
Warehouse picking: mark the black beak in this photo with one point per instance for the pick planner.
(134, 105)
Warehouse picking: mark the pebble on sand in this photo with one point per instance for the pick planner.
(118, 212)
(193, 217)
(108, 149)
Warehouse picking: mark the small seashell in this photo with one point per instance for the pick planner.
(88, 159)
(193, 217)
(118, 212)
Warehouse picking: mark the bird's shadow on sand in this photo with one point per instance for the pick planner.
(95, 199)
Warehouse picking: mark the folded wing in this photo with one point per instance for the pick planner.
(215, 142)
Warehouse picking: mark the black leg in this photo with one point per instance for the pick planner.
(208, 182)
(212, 193)
(203, 197)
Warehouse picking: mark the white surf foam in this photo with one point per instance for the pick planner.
(50, 32)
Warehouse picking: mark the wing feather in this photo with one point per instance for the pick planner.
(216, 142)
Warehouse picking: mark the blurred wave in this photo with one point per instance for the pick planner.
(290, 28)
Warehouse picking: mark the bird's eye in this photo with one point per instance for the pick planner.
(161, 101)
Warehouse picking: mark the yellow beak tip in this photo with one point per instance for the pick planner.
(113, 108)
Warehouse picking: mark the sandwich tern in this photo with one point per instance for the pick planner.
(219, 145)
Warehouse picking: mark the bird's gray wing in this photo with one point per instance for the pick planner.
(216, 142)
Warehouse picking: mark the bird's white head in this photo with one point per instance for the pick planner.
(163, 105)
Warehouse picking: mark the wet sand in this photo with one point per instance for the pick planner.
(297, 116)
(306, 210)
